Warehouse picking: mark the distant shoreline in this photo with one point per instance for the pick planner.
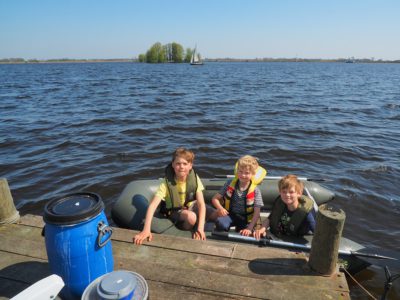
(64, 60)
(134, 60)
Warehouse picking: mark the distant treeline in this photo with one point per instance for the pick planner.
(172, 52)
(61, 60)
(187, 56)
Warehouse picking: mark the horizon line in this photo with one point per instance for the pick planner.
(299, 59)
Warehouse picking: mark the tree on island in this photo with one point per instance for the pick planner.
(177, 52)
(172, 52)
(188, 55)
(156, 54)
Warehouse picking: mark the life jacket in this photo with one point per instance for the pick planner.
(297, 218)
(250, 192)
(173, 201)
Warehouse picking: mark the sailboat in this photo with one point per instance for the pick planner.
(195, 59)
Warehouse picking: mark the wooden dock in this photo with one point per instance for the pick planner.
(176, 267)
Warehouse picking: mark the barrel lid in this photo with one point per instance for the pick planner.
(73, 208)
(141, 289)
(116, 284)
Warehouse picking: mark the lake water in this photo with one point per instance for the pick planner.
(98, 126)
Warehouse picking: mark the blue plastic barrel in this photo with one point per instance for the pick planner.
(77, 239)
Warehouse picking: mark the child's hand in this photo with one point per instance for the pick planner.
(260, 233)
(141, 236)
(222, 212)
(246, 232)
(199, 235)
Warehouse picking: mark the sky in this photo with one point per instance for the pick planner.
(100, 29)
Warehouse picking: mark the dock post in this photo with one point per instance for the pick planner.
(8, 212)
(325, 244)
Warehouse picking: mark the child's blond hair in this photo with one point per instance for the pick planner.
(291, 181)
(184, 153)
(248, 162)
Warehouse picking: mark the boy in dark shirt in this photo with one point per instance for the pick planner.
(293, 213)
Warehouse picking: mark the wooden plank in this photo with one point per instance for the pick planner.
(10, 288)
(32, 220)
(230, 284)
(209, 247)
(176, 267)
(31, 244)
(23, 269)
(148, 260)
(160, 290)
(23, 240)
(17, 272)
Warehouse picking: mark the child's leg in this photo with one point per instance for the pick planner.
(223, 223)
(211, 213)
(211, 216)
(239, 221)
(188, 219)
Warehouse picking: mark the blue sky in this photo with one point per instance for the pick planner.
(45, 29)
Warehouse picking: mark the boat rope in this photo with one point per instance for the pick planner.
(359, 284)
(389, 281)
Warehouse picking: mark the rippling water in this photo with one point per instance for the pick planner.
(96, 127)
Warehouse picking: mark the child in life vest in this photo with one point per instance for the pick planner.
(182, 191)
(239, 201)
(292, 213)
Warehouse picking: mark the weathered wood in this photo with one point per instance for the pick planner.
(160, 290)
(210, 247)
(32, 220)
(325, 244)
(8, 213)
(277, 262)
(180, 267)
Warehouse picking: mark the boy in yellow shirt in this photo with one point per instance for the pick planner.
(182, 191)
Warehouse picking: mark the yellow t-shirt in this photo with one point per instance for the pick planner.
(163, 192)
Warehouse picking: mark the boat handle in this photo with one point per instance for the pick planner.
(103, 229)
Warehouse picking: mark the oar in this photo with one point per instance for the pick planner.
(265, 241)
(279, 177)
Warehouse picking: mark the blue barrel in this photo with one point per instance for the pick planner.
(78, 242)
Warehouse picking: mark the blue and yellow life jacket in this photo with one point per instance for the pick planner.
(250, 192)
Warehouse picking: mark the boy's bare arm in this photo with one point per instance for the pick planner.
(146, 232)
(216, 202)
(260, 232)
(256, 216)
(202, 214)
(249, 229)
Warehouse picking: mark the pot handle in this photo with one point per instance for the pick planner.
(103, 229)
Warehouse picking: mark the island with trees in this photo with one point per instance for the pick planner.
(175, 53)
(169, 53)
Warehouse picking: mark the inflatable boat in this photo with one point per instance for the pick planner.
(129, 211)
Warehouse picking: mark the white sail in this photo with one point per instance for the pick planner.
(195, 59)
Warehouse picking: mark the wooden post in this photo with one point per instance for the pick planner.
(326, 240)
(8, 213)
